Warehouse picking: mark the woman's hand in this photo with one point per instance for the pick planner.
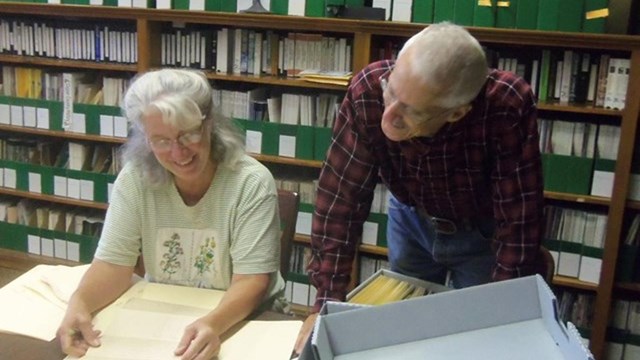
(200, 341)
(76, 333)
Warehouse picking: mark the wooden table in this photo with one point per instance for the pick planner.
(18, 347)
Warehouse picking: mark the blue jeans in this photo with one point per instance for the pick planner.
(417, 250)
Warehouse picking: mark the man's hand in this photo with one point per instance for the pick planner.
(199, 342)
(305, 332)
(76, 334)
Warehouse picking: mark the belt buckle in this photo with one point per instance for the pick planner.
(444, 226)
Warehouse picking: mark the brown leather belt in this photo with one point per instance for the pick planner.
(446, 226)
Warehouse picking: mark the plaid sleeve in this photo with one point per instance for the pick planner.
(518, 195)
(345, 192)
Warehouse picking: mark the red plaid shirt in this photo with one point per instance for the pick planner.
(486, 163)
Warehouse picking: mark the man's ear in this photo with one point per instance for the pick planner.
(459, 113)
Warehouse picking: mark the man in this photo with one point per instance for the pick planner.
(456, 144)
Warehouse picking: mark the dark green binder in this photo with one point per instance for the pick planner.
(506, 13)
(570, 14)
(596, 14)
(280, 7)
(422, 11)
(321, 142)
(443, 10)
(463, 12)
(305, 136)
(484, 13)
(180, 4)
(212, 5)
(548, 15)
(314, 8)
(229, 6)
(526, 14)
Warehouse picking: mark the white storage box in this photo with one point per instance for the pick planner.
(513, 319)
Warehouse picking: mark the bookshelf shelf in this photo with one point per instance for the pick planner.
(75, 64)
(53, 199)
(274, 81)
(578, 109)
(584, 199)
(364, 35)
(21, 261)
(62, 134)
(574, 283)
(287, 161)
(628, 287)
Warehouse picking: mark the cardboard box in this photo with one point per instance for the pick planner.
(430, 288)
(502, 320)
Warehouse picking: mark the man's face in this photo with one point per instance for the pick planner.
(410, 109)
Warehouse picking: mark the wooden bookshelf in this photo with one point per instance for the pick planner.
(363, 34)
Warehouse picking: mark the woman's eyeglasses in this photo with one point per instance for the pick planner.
(185, 139)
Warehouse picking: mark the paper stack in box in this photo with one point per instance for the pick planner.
(512, 319)
(386, 286)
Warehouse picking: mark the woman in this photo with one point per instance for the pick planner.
(200, 211)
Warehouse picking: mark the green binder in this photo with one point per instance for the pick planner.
(314, 8)
(463, 12)
(595, 18)
(548, 15)
(280, 7)
(321, 142)
(270, 138)
(22, 175)
(304, 142)
(212, 5)
(506, 13)
(46, 180)
(526, 14)
(422, 11)
(484, 13)
(567, 174)
(443, 10)
(570, 14)
(543, 84)
(229, 6)
(180, 4)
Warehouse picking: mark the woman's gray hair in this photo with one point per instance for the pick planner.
(450, 60)
(184, 98)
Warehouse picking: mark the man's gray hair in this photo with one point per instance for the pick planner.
(184, 98)
(450, 60)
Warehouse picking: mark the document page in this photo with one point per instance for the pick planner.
(150, 330)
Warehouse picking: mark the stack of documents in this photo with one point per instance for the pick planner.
(326, 77)
(146, 322)
(34, 304)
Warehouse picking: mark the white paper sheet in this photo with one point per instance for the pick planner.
(145, 329)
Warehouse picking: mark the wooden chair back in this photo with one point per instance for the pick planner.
(288, 202)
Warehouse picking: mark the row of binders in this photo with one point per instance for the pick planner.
(61, 232)
(71, 40)
(551, 15)
(260, 104)
(56, 218)
(569, 76)
(576, 238)
(248, 51)
(37, 83)
(98, 158)
(581, 139)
